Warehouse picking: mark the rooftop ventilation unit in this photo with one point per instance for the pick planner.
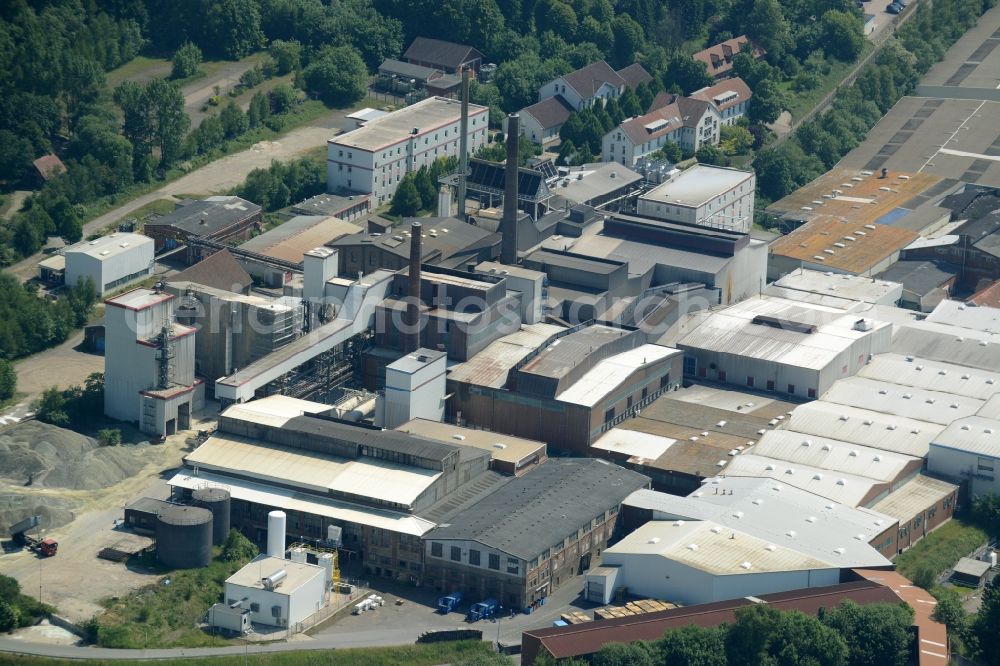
(770, 547)
(745, 565)
(692, 547)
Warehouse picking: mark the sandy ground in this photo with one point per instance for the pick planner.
(75, 580)
(783, 125)
(197, 93)
(61, 366)
(44, 632)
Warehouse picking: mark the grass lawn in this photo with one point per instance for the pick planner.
(160, 615)
(801, 103)
(411, 655)
(942, 548)
(141, 68)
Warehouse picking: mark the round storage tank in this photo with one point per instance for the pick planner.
(184, 536)
(215, 500)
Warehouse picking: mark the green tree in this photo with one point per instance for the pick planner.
(686, 72)
(767, 103)
(630, 104)
(109, 437)
(8, 380)
(232, 27)
(986, 513)
(628, 40)
(426, 189)
(186, 61)
(16, 154)
(709, 154)
(287, 55)
(763, 635)
(406, 201)
(949, 611)
(238, 548)
(735, 139)
(670, 151)
(984, 629)
(10, 616)
(233, 120)
(51, 407)
(210, 134)
(259, 109)
(337, 76)
(841, 35)
(767, 25)
(560, 19)
(693, 646)
(624, 654)
(876, 634)
(283, 98)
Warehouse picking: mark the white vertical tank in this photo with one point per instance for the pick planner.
(326, 561)
(298, 555)
(276, 534)
(993, 559)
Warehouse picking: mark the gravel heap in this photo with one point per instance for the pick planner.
(55, 512)
(58, 458)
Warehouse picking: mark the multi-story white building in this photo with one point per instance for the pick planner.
(111, 261)
(730, 97)
(149, 363)
(690, 123)
(709, 196)
(374, 158)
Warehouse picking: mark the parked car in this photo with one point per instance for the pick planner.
(893, 8)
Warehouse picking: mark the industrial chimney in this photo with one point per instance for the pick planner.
(463, 145)
(412, 321)
(508, 225)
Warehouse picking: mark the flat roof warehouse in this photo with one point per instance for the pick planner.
(412, 121)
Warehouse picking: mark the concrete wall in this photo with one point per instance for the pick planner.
(134, 263)
(418, 394)
(978, 469)
(129, 367)
(295, 607)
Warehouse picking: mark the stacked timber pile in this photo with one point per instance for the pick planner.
(576, 617)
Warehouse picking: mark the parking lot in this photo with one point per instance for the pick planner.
(395, 624)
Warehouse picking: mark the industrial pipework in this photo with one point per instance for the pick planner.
(412, 322)
(508, 225)
(463, 145)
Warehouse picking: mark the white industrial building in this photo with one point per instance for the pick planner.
(110, 261)
(900, 400)
(780, 345)
(149, 363)
(414, 389)
(840, 487)
(708, 196)
(836, 290)
(278, 592)
(694, 562)
(865, 427)
(969, 451)
(375, 157)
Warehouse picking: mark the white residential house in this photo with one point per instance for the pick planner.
(690, 123)
(730, 97)
(597, 81)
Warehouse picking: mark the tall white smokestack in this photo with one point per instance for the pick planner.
(276, 534)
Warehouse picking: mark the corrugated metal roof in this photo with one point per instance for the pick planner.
(633, 443)
(835, 455)
(298, 235)
(933, 375)
(283, 498)
(297, 574)
(914, 497)
(955, 313)
(906, 401)
(771, 511)
(837, 486)
(840, 285)
(501, 447)
(712, 548)
(941, 342)
(491, 366)
(534, 512)
(864, 426)
(991, 409)
(365, 477)
(732, 331)
(974, 434)
(609, 374)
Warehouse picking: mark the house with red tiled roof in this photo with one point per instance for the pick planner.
(730, 97)
(719, 58)
(48, 166)
(688, 122)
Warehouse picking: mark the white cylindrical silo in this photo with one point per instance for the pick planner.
(276, 534)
